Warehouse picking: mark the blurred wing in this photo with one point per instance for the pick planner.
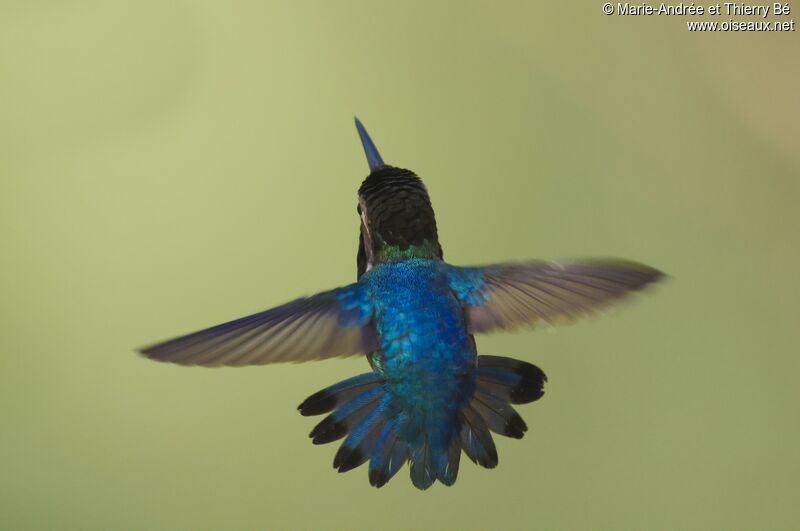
(329, 324)
(506, 296)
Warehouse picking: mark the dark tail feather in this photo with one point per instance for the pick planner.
(360, 444)
(498, 414)
(436, 456)
(476, 440)
(346, 417)
(449, 472)
(422, 472)
(390, 454)
(516, 381)
(326, 400)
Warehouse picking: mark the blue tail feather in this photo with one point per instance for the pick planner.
(390, 454)
(447, 471)
(357, 403)
(476, 440)
(348, 415)
(359, 446)
(435, 455)
(326, 400)
(422, 473)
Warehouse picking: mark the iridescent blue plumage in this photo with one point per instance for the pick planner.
(429, 395)
(425, 354)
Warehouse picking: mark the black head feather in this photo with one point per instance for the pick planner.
(398, 213)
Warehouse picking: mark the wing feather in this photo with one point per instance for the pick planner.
(506, 296)
(322, 326)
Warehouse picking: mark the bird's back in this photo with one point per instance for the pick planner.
(425, 349)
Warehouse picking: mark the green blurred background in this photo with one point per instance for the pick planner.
(165, 166)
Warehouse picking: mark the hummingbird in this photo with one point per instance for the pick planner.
(428, 396)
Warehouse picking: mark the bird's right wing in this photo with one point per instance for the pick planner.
(329, 324)
(506, 296)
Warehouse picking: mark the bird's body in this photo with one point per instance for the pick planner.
(424, 347)
(429, 395)
(425, 353)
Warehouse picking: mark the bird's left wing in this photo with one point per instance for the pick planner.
(506, 296)
(325, 325)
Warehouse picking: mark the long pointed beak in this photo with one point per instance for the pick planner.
(373, 157)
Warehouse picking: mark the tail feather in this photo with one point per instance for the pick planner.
(378, 430)
(476, 440)
(498, 414)
(360, 444)
(326, 400)
(390, 455)
(351, 413)
(449, 473)
(517, 381)
(422, 473)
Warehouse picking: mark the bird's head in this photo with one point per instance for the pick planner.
(397, 219)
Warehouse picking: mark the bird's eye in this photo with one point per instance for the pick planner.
(358, 209)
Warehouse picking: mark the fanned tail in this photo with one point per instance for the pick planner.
(382, 433)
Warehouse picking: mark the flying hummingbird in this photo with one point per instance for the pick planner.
(429, 395)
